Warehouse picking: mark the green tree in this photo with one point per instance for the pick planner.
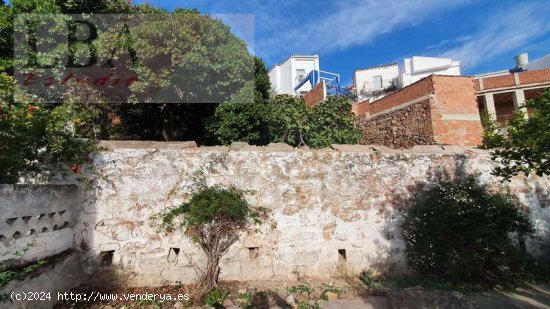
(525, 146)
(184, 57)
(246, 116)
(36, 137)
(291, 120)
(286, 119)
(213, 219)
(333, 122)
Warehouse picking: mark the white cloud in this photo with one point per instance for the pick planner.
(503, 32)
(291, 28)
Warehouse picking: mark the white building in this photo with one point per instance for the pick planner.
(286, 76)
(416, 68)
(374, 83)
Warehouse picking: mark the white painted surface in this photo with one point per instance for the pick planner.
(36, 220)
(284, 77)
(367, 83)
(416, 68)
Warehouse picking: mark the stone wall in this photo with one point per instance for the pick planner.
(328, 206)
(36, 220)
(403, 128)
(59, 275)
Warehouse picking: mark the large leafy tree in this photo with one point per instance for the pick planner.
(184, 58)
(525, 146)
(247, 115)
(285, 119)
(35, 133)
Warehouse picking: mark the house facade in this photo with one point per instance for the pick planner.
(374, 83)
(286, 76)
(416, 68)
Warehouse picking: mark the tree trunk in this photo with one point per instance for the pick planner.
(211, 274)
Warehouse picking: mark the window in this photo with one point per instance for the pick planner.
(300, 74)
(377, 82)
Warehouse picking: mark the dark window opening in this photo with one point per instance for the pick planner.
(173, 255)
(253, 252)
(107, 257)
(342, 255)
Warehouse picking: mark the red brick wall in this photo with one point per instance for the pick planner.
(407, 94)
(454, 115)
(456, 97)
(315, 95)
(532, 77)
(504, 81)
(499, 81)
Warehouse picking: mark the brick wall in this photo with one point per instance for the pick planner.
(499, 81)
(414, 91)
(403, 128)
(453, 114)
(504, 81)
(315, 95)
(532, 77)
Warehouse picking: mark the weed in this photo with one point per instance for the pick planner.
(299, 289)
(216, 298)
(367, 277)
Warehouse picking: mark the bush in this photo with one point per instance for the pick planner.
(216, 298)
(367, 277)
(459, 231)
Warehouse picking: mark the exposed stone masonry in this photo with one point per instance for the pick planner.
(403, 128)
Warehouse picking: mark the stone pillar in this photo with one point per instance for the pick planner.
(519, 101)
(490, 106)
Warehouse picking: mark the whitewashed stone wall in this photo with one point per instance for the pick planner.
(36, 221)
(322, 202)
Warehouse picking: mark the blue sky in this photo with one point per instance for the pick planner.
(350, 34)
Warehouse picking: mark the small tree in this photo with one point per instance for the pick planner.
(525, 148)
(213, 219)
(459, 231)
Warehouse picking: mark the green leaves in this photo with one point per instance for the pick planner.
(210, 205)
(525, 147)
(285, 119)
(459, 231)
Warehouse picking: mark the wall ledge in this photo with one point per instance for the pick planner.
(106, 146)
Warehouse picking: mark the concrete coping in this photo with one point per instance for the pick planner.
(282, 147)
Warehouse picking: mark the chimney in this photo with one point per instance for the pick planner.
(522, 59)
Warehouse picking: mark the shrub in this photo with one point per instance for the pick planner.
(213, 219)
(459, 231)
(215, 298)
